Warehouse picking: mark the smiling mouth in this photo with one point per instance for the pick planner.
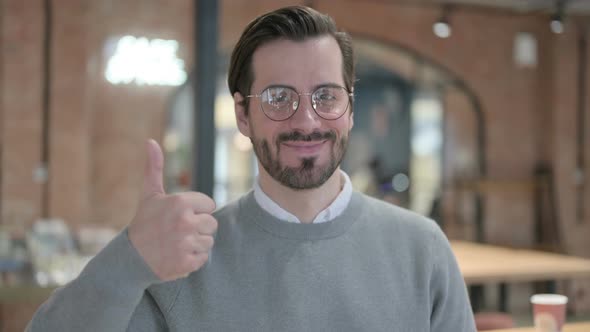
(305, 147)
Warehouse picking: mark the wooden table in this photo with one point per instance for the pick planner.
(481, 263)
(570, 327)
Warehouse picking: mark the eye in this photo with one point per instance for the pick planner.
(281, 98)
(325, 95)
(278, 97)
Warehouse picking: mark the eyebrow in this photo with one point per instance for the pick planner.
(315, 87)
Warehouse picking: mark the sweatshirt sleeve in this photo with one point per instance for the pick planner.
(451, 310)
(103, 297)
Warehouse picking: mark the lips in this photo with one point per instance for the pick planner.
(305, 147)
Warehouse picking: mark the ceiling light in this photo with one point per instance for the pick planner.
(557, 18)
(442, 27)
(557, 24)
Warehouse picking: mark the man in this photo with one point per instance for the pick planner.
(302, 251)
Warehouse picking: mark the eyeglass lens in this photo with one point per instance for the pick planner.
(280, 103)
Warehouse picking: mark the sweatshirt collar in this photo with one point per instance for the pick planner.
(329, 213)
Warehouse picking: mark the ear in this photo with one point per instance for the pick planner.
(351, 116)
(242, 118)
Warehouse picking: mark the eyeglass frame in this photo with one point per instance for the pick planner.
(349, 94)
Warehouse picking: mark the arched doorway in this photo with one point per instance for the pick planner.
(445, 141)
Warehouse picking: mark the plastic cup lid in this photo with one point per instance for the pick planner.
(554, 299)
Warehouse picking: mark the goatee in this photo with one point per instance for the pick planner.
(308, 174)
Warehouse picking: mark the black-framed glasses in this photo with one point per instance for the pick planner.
(279, 102)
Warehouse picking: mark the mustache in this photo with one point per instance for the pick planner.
(298, 136)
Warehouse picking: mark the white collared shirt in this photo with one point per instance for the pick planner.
(332, 211)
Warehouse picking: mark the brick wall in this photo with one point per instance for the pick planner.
(21, 111)
(98, 129)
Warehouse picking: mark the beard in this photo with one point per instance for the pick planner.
(308, 174)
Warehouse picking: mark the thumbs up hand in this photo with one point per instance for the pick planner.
(172, 233)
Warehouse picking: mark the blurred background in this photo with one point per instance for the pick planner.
(472, 112)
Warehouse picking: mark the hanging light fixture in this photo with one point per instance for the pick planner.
(556, 24)
(442, 27)
(557, 17)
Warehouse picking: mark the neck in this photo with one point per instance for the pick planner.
(304, 204)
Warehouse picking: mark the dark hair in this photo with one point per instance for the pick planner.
(293, 23)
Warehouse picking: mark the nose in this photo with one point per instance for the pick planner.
(305, 118)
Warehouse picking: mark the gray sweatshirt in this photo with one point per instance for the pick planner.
(376, 267)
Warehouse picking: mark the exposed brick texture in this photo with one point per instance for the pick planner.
(97, 130)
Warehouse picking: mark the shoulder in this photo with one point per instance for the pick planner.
(407, 233)
(401, 229)
(390, 216)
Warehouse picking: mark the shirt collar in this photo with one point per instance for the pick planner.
(332, 211)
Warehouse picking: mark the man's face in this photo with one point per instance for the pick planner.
(303, 151)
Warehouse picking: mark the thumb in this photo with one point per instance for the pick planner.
(154, 170)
